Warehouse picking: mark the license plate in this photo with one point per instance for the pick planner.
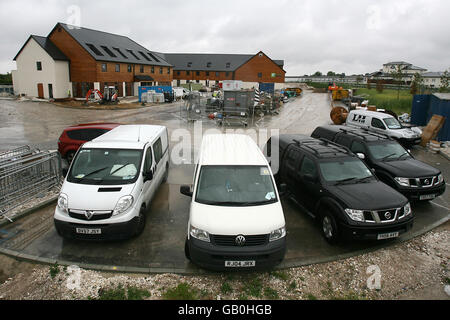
(239, 264)
(427, 197)
(388, 235)
(89, 231)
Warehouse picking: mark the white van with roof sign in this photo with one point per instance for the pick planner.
(385, 124)
(110, 183)
(236, 219)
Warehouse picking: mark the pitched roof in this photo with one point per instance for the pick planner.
(103, 46)
(48, 46)
(396, 63)
(432, 74)
(210, 61)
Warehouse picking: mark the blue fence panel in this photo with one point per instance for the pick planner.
(420, 109)
(267, 87)
(157, 89)
(441, 107)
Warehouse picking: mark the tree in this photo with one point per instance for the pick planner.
(331, 73)
(417, 84)
(380, 86)
(445, 79)
(398, 76)
(317, 74)
(369, 85)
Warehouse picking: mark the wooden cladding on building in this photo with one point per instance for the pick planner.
(260, 68)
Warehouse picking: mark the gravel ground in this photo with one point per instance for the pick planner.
(418, 269)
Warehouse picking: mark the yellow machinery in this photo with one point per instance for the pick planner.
(339, 94)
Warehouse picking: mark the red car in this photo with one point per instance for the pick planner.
(73, 137)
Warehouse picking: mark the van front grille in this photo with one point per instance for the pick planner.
(230, 241)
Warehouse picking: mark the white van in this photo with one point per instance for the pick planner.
(236, 219)
(384, 123)
(111, 182)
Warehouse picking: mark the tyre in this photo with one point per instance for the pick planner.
(329, 227)
(166, 174)
(141, 222)
(69, 156)
(186, 250)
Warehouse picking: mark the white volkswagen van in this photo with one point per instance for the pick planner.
(384, 123)
(111, 182)
(236, 219)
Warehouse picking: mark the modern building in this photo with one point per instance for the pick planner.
(209, 69)
(71, 60)
(432, 79)
(386, 73)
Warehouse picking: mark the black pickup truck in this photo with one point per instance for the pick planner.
(333, 185)
(393, 164)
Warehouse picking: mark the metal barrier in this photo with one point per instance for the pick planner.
(14, 153)
(27, 177)
(196, 107)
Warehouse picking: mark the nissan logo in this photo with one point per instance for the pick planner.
(388, 215)
(89, 214)
(240, 240)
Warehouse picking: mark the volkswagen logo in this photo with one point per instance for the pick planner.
(89, 214)
(240, 240)
(387, 215)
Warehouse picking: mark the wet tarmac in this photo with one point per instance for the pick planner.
(161, 246)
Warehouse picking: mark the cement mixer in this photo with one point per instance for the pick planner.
(339, 115)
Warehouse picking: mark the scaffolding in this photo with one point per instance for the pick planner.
(26, 176)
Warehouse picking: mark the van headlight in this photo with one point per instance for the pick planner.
(355, 215)
(403, 181)
(199, 234)
(277, 234)
(123, 205)
(63, 202)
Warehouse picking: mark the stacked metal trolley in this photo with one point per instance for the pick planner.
(26, 173)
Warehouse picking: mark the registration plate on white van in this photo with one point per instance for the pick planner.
(388, 235)
(88, 231)
(239, 264)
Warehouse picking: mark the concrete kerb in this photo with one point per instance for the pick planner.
(182, 271)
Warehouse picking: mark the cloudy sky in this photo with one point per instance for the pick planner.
(310, 35)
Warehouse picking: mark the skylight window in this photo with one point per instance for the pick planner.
(145, 57)
(189, 64)
(208, 65)
(153, 56)
(228, 65)
(121, 53)
(94, 49)
(132, 53)
(106, 49)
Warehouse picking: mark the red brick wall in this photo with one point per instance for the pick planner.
(260, 64)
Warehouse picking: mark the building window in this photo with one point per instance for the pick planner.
(104, 67)
(197, 73)
(168, 70)
(228, 65)
(153, 69)
(207, 73)
(129, 68)
(208, 65)
(117, 67)
(161, 70)
(189, 64)
(141, 70)
(178, 73)
(188, 73)
(227, 74)
(260, 75)
(39, 66)
(217, 74)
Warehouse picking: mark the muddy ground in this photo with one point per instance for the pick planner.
(418, 269)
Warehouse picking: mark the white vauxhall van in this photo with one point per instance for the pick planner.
(111, 182)
(236, 219)
(385, 124)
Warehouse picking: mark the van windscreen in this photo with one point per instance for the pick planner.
(392, 123)
(105, 166)
(235, 186)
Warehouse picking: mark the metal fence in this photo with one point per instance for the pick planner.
(197, 106)
(26, 176)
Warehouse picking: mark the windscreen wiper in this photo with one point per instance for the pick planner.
(94, 172)
(388, 156)
(345, 181)
(404, 154)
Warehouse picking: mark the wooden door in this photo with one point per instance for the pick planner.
(40, 88)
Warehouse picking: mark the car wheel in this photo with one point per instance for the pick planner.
(186, 250)
(69, 156)
(141, 222)
(329, 228)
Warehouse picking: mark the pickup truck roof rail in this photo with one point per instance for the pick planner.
(366, 133)
(334, 149)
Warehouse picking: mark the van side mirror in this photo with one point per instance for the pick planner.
(361, 155)
(186, 190)
(148, 176)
